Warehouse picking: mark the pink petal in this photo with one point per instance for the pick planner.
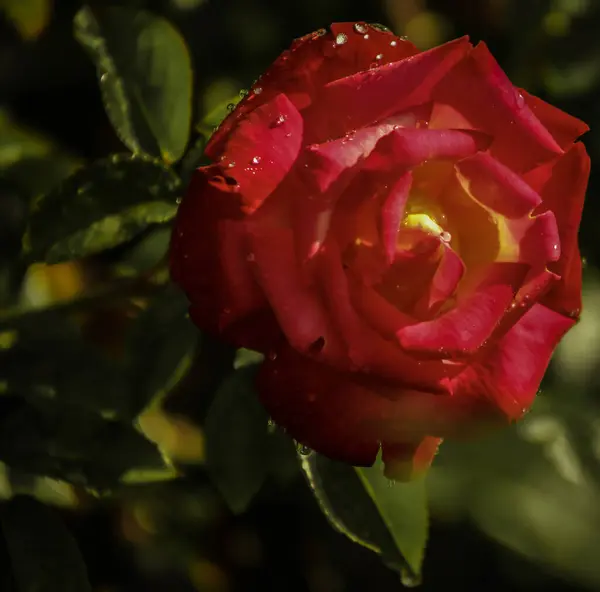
(407, 460)
(296, 304)
(564, 127)
(496, 187)
(409, 147)
(367, 96)
(311, 62)
(563, 187)
(369, 352)
(464, 329)
(392, 214)
(479, 90)
(259, 153)
(510, 373)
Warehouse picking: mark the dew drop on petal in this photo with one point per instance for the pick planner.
(520, 99)
(366, 36)
(231, 164)
(379, 56)
(360, 28)
(341, 39)
(393, 43)
(256, 160)
(279, 121)
(258, 90)
(445, 236)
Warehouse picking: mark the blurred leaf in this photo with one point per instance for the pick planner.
(247, 357)
(194, 158)
(50, 361)
(30, 17)
(101, 206)
(160, 346)
(145, 76)
(213, 118)
(44, 554)
(151, 250)
(386, 517)
(237, 440)
(29, 160)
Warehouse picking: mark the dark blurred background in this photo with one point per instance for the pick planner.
(521, 511)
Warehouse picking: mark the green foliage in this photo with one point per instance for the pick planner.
(386, 517)
(43, 553)
(160, 346)
(101, 206)
(237, 440)
(145, 77)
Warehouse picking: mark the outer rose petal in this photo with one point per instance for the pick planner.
(261, 151)
(372, 95)
(480, 91)
(564, 127)
(208, 254)
(404, 462)
(510, 373)
(312, 62)
(562, 185)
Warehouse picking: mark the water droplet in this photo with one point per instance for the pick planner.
(279, 121)
(288, 135)
(341, 39)
(256, 160)
(409, 580)
(231, 107)
(379, 56)
(366, 36)
(231, 164)
(320, 33)
(243, 93)
(303, 450)
(272, 355)
(393, 43)
(520, 100)
(390, 483)
(360, 28)
(445, 236)
(257, 90)
(403, 38)
(178, 201)
(584, 262)
(271, 426)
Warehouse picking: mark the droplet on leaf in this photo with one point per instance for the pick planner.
(360, 28)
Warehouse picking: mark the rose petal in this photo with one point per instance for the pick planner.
(295, 303)
(408, 147)
(496, 187)
(481, 92)
(259, 153)
(464, 329)
(392, 213)
(564, 127)
(372, 95)
(208, 254)
(368, 351)
(562, 185)
(444, 284)
(310, 63)
(407, 461)
(510, 373)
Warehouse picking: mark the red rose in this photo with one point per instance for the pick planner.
(397, 232)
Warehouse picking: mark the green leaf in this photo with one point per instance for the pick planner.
(388, 518)
(145, 74)
(216, 115)
(160, 346)
(30, 17)
(237, 440)
(44, 554)
(49, 360)
(101, 206)
(29, 160)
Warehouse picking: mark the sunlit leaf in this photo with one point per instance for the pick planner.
(145, 75)
(101, 206)
(237, 440)
(44, 554)
(30, 17)
(386, 517)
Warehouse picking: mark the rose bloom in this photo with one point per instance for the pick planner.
(396, 231)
